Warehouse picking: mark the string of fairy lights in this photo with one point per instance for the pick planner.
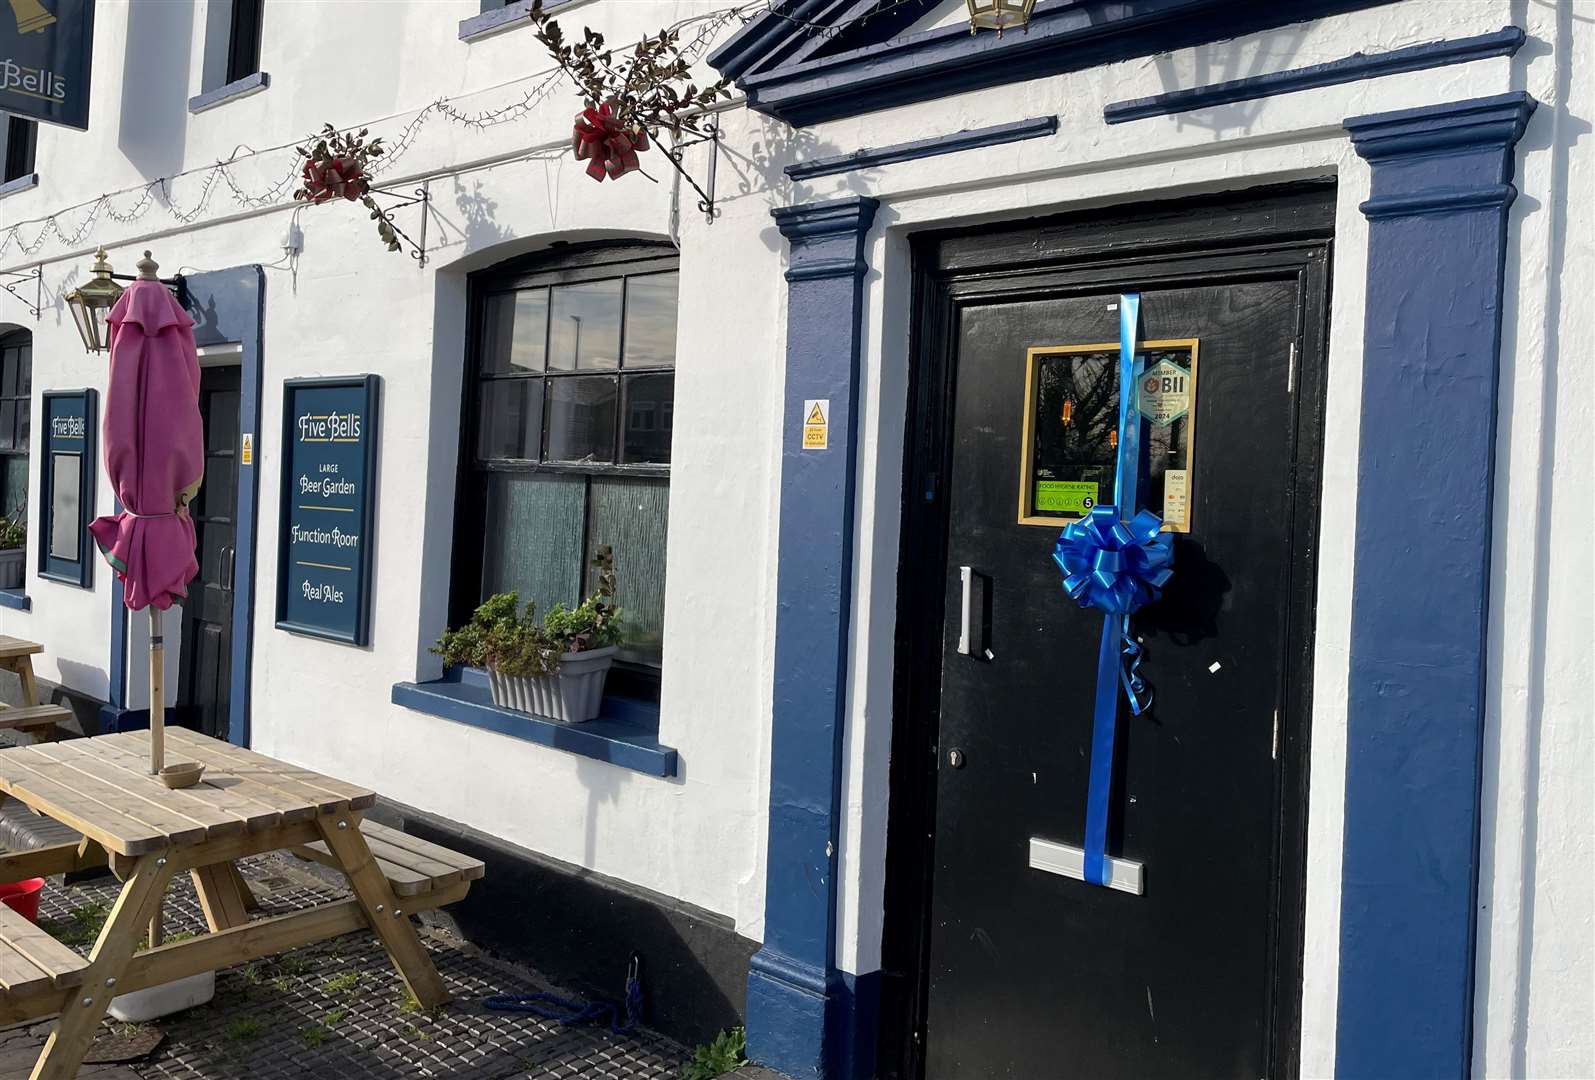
(132, 204)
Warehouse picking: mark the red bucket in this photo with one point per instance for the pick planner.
(23, 897)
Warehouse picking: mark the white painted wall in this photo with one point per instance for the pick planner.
(347, 306)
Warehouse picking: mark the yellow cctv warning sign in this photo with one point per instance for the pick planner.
(817, 424)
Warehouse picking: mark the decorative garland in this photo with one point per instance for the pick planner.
(629, 100)
(337, 167)
(115, 205)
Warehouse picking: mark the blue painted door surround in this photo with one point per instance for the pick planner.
(799, 1004)
(228, 307)
(1437, 233)
(1441, 188)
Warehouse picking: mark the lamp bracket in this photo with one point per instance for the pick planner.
(177, 283)
(16, 284)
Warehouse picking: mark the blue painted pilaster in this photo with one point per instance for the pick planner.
(1437, 230)
(797, 1000)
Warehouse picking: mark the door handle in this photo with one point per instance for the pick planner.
(974, 619)
(228, 555)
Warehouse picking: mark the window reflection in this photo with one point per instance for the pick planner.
(584, 326)
(581, 419)
(651, 320)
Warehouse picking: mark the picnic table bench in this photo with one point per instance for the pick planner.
(245, 804)
(33, 717)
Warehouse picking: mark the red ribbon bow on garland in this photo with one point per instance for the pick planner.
(610, 146)
(337, 178)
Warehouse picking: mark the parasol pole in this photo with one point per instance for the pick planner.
(157, 693)
(148, 270)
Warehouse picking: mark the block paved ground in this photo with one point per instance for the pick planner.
(338, 1010)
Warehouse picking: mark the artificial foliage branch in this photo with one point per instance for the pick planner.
(338, 166)
(630, 97)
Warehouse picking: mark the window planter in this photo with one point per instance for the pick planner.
(572, 695)
(11, 560)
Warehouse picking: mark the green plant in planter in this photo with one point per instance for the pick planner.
(13, 533)
(512, 642)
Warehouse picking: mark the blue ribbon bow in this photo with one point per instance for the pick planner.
(1117, 567)
(1112, 565)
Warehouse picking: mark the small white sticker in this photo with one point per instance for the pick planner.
(1212, 669)
(817, 424)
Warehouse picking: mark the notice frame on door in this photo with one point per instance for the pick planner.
(67, 486)
(1070, 430)
(327, 513)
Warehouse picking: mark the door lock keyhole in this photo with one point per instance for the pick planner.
(955, 758)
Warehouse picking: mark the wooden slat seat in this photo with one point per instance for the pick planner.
(33, 717)
(412, 866)
(31, 960)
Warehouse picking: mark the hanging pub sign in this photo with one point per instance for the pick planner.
(1071, 434)
(46, 48)
(66, 486)
(329, 467)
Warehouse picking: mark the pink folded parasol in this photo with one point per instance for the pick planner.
(154, 446)
(155, 455)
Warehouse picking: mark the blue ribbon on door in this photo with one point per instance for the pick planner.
(1116, 566)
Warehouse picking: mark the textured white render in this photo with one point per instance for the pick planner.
(350, 307)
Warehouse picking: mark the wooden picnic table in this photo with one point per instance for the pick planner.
(32, 716)
(245, 804)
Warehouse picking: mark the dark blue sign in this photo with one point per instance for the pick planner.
(329, 467)
(66, 486)
(46, 48)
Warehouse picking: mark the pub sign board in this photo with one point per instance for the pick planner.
(46, 54)
(329, 472)
(66, 486)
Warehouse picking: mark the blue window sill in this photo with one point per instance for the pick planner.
(25, 182)
(16, 599)
(626, 734)
(240, 88)
(507, 17)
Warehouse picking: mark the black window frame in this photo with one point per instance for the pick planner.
(561, 264)
(22, 442)
(243, 40)
(21, 148)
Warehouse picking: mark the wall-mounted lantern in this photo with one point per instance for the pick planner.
(90, 304)
(999, 15)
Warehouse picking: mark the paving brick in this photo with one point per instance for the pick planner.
(337, 1010)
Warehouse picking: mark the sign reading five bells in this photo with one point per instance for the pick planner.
(45, 60)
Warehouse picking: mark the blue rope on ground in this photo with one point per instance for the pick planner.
(621, 1018)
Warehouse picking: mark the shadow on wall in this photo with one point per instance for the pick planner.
(1222, 62)
(154, 114)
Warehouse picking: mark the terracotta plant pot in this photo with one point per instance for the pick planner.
(570, 696)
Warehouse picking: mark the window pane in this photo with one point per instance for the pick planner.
(534, 538)
(8, 426)
(9, 370)
(581, 420)
(513, 329)
(630, 515)
(510, 419)
(651, 320)
(24, 422)
(650, 414)
(15, 480)
(66, 474)
(584, 331)
(25, 371)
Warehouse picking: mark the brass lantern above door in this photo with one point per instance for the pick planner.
(999, 15)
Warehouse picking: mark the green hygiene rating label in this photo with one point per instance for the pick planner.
(1065, 496)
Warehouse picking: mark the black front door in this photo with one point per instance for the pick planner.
(206, 666)
(1027, 972)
